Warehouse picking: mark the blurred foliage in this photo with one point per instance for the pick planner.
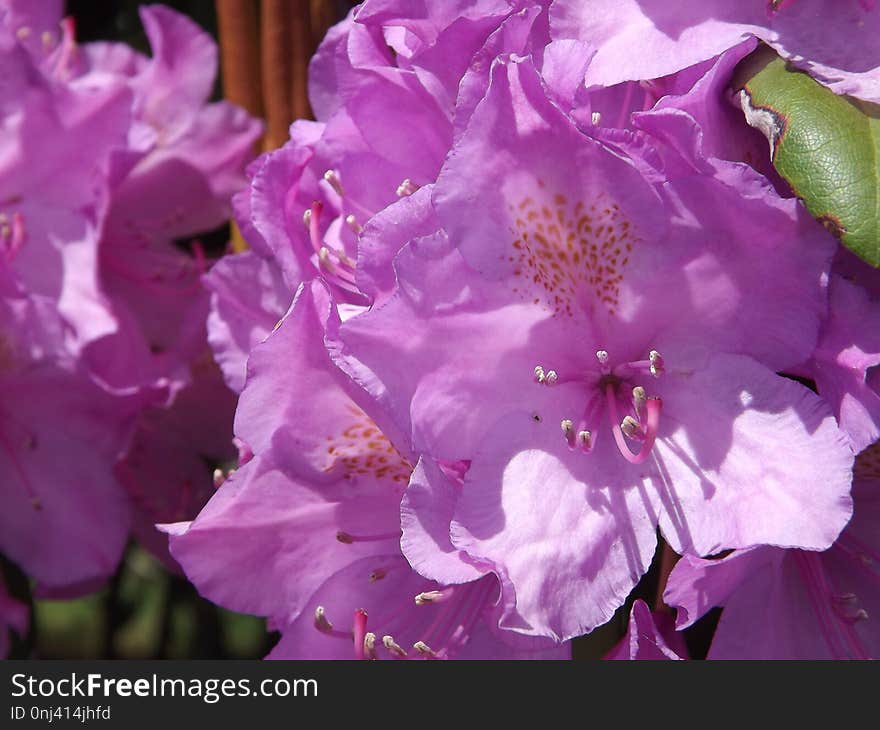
(145, 612)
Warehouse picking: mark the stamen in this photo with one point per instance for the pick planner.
(406, 188)
(639, 400)
(548, 377)
(23, 33)
(378, 574)
(219, 477)
(312, 219)
(392, 646)
(360, 633)
(332, 178)
(602, 356)
(322, 623)
(422, 648)
(657, 364)
(846, 606)
(568, 431)
(631, 428)
(332, 269)
(653, 406)
(370, 645)
(429, 597)
(596, 118)
(585, 440)
(352, 223)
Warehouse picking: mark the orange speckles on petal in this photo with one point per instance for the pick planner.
(573, 258)
(363, 450)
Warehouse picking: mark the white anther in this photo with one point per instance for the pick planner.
(406, 188)
(657, 364)
(567, 426)
(23, 33)
(423, 599)
(595, 118)
(322, 623)
(332, 178)
(352, 223)
(631, 428)
(602, 356)
(307, 218)
(370, 645)
(393, 646)
(219, 477)
(585, 440)
(548, 377)
(48, 39)
(422, 648)
(639, 398)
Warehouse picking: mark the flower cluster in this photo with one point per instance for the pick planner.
(524, 306)
(109, 161)
(529, 329)
(539, 303)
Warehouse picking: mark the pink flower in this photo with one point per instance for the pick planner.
(833, 41)
(177, 455)
(564, 290)
(793, 604)
(844, 363)
(308, 531)
(65, 520)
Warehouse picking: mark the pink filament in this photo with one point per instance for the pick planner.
(360, 632)
(653, 408)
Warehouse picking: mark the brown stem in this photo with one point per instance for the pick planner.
(301, 51)
(324, 14)
(668, 559)
(238, 23)
(276, 33)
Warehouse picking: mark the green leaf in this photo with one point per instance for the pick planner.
(826, 146)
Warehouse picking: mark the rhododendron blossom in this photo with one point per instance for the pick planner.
(333, 579)
(523, 334)
(793, 604)
(613, 365)
(834, 40)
